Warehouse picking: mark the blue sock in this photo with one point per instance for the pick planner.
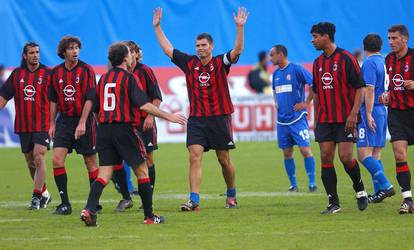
(129, 180)
(290, 171)
(388, 184)
(195, 197)
(310, 170)
(374, 168)
(231, 192)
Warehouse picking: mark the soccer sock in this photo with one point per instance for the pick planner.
(404, 179)
(290, 171)
(93, 175)
(61, 180)
(377, 174)
(231, 192)
(355, 174)
(310, 170)
(151, 173)
(44, 188)
(129, 180)
(382, 169)
(195, 197)
(120, 179)
(94, 194)
(37, 193)
(329, 182)
(145, 192)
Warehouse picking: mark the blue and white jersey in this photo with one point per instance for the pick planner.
(373, 72)
(289, 89)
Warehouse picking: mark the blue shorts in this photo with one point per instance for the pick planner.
(369, 138)
(294, 134)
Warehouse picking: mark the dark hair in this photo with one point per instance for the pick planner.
(64, 44)
(372, 43)
(132, 46)
(280, 49)
(400, 28)
(25, 50)
(117, 52)
(205, 36)
(261, 55)
(323, 28)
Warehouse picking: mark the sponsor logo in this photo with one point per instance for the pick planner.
(398, 81)
(69, 92)
(203, 78)
(29, 92)
(327, 80)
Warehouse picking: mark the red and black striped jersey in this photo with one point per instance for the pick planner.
(119, 97)
(30, 92)
(207, 85)
(149, 82)
(335, 79)
(398, 71)
(71, 88)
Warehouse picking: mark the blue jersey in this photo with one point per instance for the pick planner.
(373, 72)
(289, 89)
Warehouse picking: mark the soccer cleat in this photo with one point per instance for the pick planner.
(331, 209)
(63, 209)
(155, 219)
(190, 206)
(124, 205)
(45, 200)
(362, 200)
(34, 204)
(88, 218)
(293, 189)
(381, 195)
(406, 207)
(313, 189)
(231, 202)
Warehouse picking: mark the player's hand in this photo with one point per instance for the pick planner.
(299, 106)
(148, 123)
(80, 130)
(385, 98)
(371, 122)
(178, 118)
(351, 123)
(156, 19)
(409, 84)
(241, 17)
(52, 130)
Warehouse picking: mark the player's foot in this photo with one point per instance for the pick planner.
(362, 200)
(313, 189)
(34, 204)
(155, 219)
(88, 218)
(231, 202)
(406, 207)
(63, 209)
(293, 189)
(331, 209)
(124, 205)
(381, 195)
(190, 206)
(98, 209)
(45, 200)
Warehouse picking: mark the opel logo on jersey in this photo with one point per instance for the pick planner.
(204, 77)
(69, 91)
(327, 80)
(29, 92)
(398, 81)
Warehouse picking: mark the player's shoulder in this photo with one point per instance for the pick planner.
(86, 66)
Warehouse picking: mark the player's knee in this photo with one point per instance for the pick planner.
(326, 158)
(288, 153)
(195, 156)
(306, 152)
(90, 162)
(38, 157)
(346, 159)
(58, 162)
(400, 156)
(224, 161)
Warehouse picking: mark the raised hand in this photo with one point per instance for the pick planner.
(241, 17)
(156, 19)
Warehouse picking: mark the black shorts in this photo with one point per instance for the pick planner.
(149, 137)
(401, 125)
(333, 132)
(65, 135)
(213, 132)
(117, 142)
(28, 140)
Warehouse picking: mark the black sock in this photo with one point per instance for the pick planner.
(120, 179)
(151, 173)
(145, 192)
(61, 180)
(355, 174)
(404, 177)
(329, 182)
(94, 194)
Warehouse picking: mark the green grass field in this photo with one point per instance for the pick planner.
(267, 218)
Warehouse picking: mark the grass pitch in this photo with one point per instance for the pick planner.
(267, 217)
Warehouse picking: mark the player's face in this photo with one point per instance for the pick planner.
(273, 57)
(134, 55)
(317, 41)
(72, 53)
(32, 57)
(128, 59)
(397, 41)
(140, 55)
(204, 48)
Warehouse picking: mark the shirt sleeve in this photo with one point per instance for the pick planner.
(353, 72)
(369, 73)
(314, 74)
(7, 90)
(180, 59)
(305, 76)
(153, 90)
(136, 92)
(53, 95)
(91, 85)
(226, 58)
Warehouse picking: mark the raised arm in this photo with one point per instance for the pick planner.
(239, 19)
(162, 39)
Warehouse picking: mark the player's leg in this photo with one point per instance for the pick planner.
(30, 164)
(151, 168)
(290, 168)
(39, 152)
(309, 162)
(120, 178)
(328, 173)
(227, 168)
(403, 174)
(61, 180)
(91, 166)
(195, 153)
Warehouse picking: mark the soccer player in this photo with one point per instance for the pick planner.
(288, 86)
(119, 102)
(400, 68)
(29, 84)
(209, 125)
(72, 93)
(372, 129)
(339, 90)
